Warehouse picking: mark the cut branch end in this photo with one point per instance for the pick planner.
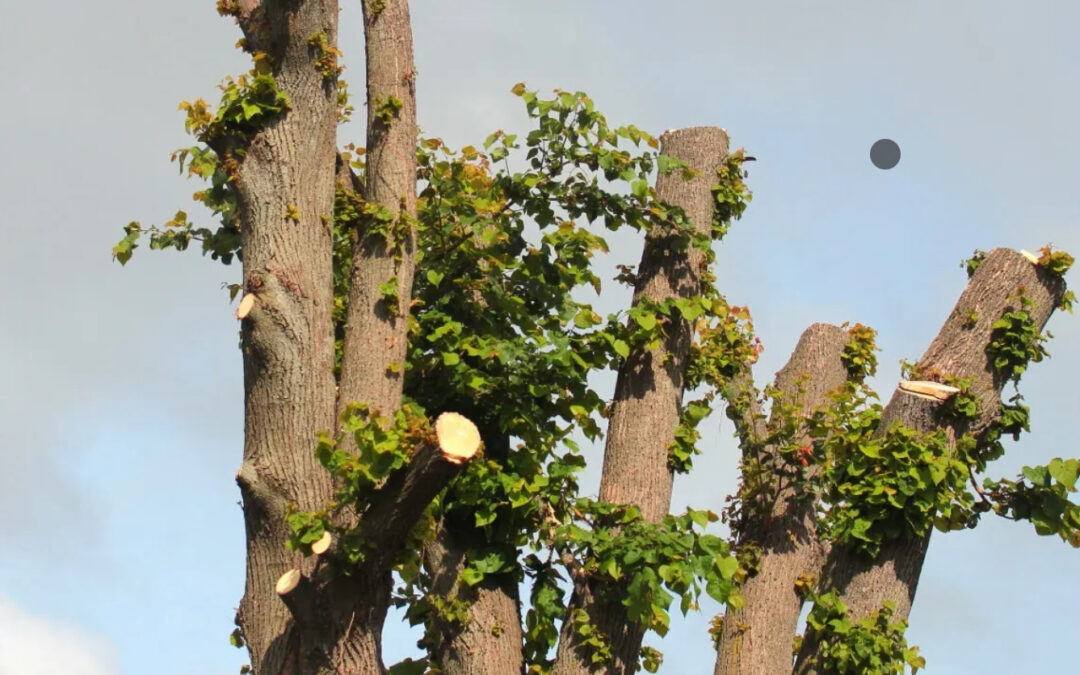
(288, 582)
(246, 303)
(459, 439)
(931, 391)
(323, 544)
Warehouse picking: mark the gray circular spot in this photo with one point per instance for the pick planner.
(885, 154)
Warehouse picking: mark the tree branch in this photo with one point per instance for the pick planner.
(376, 326)
(397, 506)
(756, 640)
(960, 350)
(649, 390)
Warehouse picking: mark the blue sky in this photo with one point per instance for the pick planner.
(121, 543)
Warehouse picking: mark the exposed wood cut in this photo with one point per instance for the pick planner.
(323, 544)
(288, 582)
(931, 391)
(1030, 256)
(459, 439)
(246, 303)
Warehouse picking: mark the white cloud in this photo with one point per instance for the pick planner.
(35, 645)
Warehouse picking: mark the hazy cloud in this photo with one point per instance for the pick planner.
(36, 645)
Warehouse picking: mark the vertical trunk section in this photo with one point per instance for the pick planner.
(756, 640)
(960, 349)
(376, 323)
(341, 629)
(287, 338)
(649, 389)
(489, 640)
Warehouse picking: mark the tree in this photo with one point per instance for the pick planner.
(417, 359)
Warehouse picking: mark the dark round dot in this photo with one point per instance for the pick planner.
(885, 154)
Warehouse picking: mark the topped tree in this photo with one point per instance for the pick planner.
(419, 349)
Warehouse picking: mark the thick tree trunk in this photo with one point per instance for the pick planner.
(489, 640)
(289, 167)
(287, 335)
(756, 640)
(960, 349)
(345, 626)
(376, 326)
(649, 389)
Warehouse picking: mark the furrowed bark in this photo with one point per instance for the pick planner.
(342, 631)
(376, 327)
(648, 391)
(489, 640)
(960, 349)
(287, 339)
(756, 640)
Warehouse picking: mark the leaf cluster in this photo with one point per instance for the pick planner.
(1041, 495)
(646, 566)
(874, 645)
(1015, 341)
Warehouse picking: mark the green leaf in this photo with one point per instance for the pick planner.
(621, 348)
(484, 515)
(1036, 474)
(1064, 471)
(586, 318)
(451, 358)
(727, 567)
(434, 277)
(236, 638)
(471, 576)
(250, 109)
(646, 320)
(700, 517)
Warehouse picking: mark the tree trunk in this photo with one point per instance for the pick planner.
(376, 325)
(489, 640)
(649, 389)
(287, 337)
(757, 639)
(960, 349)
(289, 167)
(375, 339)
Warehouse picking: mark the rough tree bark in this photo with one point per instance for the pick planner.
(287, 336)
(648, 391)
(324, 620)
(960, 349)
(756, 640)
(343, 629)
(376, 329)
(489, 640)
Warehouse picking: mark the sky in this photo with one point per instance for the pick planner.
(121, 541)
